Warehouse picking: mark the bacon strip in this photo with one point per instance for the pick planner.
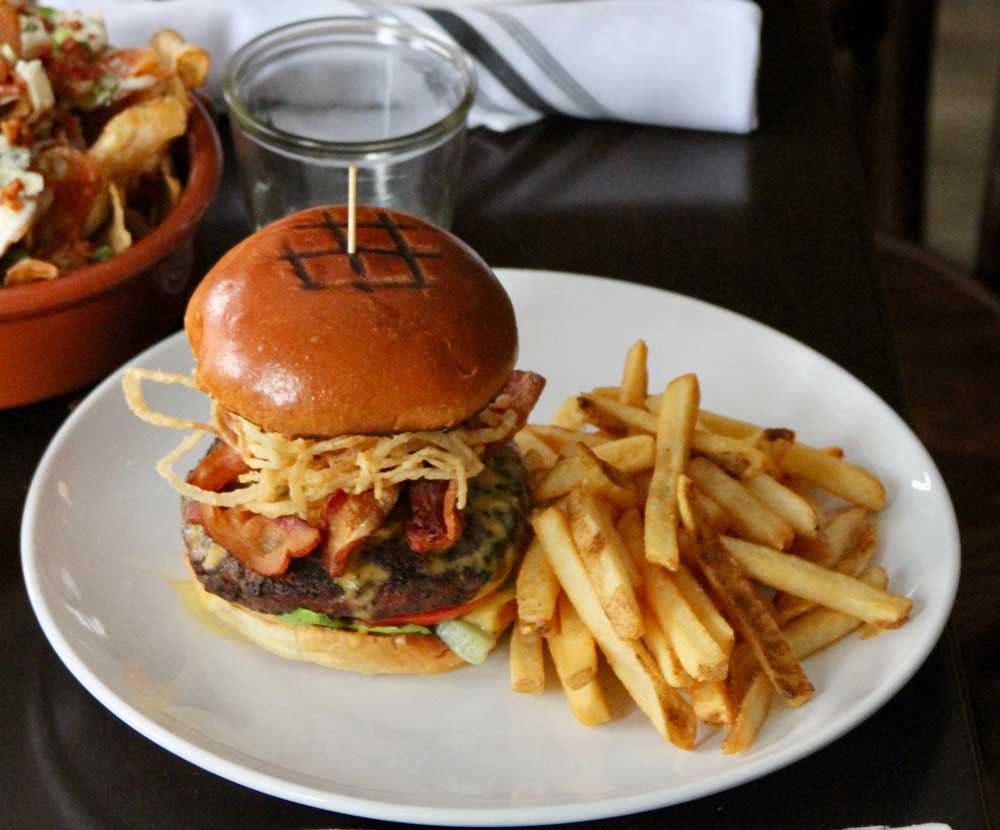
(263, 544)
(221, 466)
(350, 519)
(435, 522)
(524, 389)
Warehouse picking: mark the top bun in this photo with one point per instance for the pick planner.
(413, 332)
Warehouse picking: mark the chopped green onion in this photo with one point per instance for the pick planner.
(101, 254)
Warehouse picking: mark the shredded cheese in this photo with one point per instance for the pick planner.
(295, 476)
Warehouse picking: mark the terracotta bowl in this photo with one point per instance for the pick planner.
(57, 336)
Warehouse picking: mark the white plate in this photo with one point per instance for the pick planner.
(102, 549)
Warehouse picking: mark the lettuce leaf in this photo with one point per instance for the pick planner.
(303, 616)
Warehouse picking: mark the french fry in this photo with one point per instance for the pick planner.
(611, 392)
(587, 703)
(834, 475)
(743, 666)
(824, 587)
(717, 517)
(856, 560)
(495, 612)
(631, 532)
(573, 649)
(841, 531)
(537, 590)
(666, 658)
(569, 415)
(750, 613)
(700, 655)
(751, 518)
(733, 455)
(609, 413)
(634, 376)
(529, 443)
(785, 503)
(631, 662)
(822, 627)
(617, 487)
(564, 441)
(711, 704)
(728, 426)
(775, 442)
(685, 495)
(852, 564)
(838, 537)
(608, 563)
(632, 454)
(674, 427)
(527, 662)
(704, 608)
(753, 711)
(656, 639)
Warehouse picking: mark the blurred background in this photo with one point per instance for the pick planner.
(963, 91)
(921, 80)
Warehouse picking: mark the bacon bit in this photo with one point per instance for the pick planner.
(17, 132)
(12, 89)
(70, 65)
(75, 180)
(348, 520)
(221, 466)
(265, 545)
(523, 389)
(10, 196)
(10, 28)
(435, 522)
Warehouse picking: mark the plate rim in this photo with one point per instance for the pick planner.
(480, 816)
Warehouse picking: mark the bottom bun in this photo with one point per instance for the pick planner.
(335, 648)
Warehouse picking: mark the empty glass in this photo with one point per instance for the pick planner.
(310, 99)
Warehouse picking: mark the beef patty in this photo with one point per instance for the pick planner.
(385, 578)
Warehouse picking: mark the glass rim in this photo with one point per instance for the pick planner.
(295, 143)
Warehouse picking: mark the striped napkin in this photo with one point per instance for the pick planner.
(678, 63)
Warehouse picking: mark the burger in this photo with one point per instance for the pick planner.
(362, 505)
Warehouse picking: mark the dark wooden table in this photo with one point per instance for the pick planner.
(774, 226)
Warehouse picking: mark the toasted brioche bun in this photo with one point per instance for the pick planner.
(340, 648)
(288, 334)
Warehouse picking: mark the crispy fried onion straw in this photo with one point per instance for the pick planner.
(295, 476)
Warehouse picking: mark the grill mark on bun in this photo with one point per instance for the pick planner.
(360, 357)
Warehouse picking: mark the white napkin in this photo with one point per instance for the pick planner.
(679, 63)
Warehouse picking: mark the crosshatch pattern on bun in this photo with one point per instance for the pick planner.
(412, 332)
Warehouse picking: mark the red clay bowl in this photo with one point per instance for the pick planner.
(57, 336)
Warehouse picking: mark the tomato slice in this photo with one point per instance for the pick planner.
(432, 617)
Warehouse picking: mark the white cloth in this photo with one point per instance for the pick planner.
(679, 63)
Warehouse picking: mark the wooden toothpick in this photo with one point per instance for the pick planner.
(352, 208)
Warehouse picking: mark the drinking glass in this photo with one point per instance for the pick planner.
(310, 99)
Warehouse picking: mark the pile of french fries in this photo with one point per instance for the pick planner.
(702, 555)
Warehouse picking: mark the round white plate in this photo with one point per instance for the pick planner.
(103, 556)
